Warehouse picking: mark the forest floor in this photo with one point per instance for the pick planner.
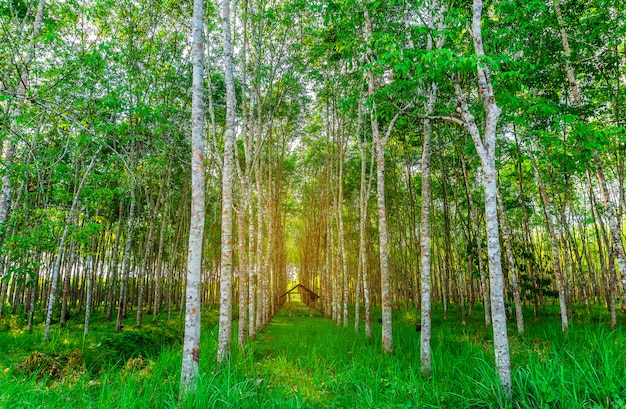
(309, 362)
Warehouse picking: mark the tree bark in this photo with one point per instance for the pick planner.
(242, 270)
(145, 266)
(556, 259)
(426, 307)
(383, 240)
(158, 285)
(618, 247)
(519, 316)
(126, 265)
(88, 302)
(484, 288)
(191, 340)
(226, 262)
(486, 147)
(114, 265)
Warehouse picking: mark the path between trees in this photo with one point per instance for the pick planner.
(325, 365)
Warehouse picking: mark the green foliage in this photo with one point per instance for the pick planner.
(116, 348)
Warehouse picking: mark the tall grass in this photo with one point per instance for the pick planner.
(310, 362)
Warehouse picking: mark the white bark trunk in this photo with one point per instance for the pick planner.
(242, 270)
(383, 241)
(484, 288)
(425, 246)
(362, 218)
(554, 241)
(225, 325)
(512, 268)
(618, 247)
(126, 266)
(251, 270)
(342, 248)
(485, 147)
(260, 263)
(426, 308)
(88, 301)
(191, 340)
(159, 267)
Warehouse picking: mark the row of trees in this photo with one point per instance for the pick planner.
(306, 110)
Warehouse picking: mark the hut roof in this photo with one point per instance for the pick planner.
(301, 287)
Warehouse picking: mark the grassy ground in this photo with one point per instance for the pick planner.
(309, 362)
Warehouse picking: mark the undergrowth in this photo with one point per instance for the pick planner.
(310, 362)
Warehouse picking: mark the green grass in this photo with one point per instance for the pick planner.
(310, 362)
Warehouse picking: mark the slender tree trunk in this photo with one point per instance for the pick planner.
(252, 277)
(618, 247)
(556, 259)
(225, 325)
(425, 246)
(159, 266)
(242, 271)
(191, 343)
(484, 288)
(126, 266)
(342, 248)
(34, 293)
(260, 268)
(383, 240)
(4, 285)
(486, 147)
(115, 263)
(146, 262)
(362, 261)
(88, 302)
(66, 287)
(512, 268)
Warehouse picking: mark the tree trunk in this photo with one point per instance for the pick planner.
(342, 249)
(88, 302)
(242, 270)
(191, 342)
(618, 247)
(512, 268)
(225, 324)
(486, 147)
(126, 266)
(556, 260)
(425, 246)
(364, 190)
(159, 266)
(383, 241)
(252, 277)
(484, 288)
(66, 287)
(114, 267)
(145, 265)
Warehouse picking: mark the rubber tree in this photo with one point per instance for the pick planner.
(226, 261)
(191, 341)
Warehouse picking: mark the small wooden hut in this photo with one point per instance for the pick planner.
(307, 296)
